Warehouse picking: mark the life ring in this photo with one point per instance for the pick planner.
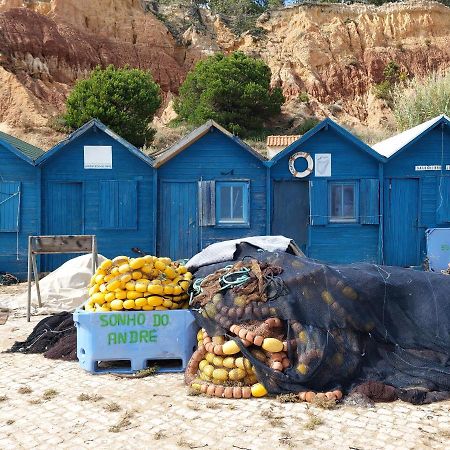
(308, 169)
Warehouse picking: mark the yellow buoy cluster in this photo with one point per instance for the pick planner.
(223, 372)
(219, 369)
(147, 283)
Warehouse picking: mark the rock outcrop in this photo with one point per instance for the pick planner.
(47, 46)
(335, 53)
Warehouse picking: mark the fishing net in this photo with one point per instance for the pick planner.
(55, 336)
(340, 325)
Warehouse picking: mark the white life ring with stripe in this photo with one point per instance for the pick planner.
(309, 161)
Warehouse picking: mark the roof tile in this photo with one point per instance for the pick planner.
(281, 141)
(29, 150)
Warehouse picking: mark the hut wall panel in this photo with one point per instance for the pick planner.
(217, 157)
(68, 165)
(341, 243)
(347, 160)
(433, 148)
(15, 169)
(344, 244)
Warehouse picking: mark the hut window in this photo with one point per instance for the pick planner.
(232, 200)
(9, 206)
(118, 205)
(343, 201)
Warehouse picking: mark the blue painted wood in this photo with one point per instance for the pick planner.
(443, 200)
(380, 252)
(369, 197)
(432, 148)
(291, 210)
(118, 205)
(134, 178)
(319, 201)
(178, 232)
(9, 206)
(64, 207)
(401, 233)
(344, 243)
(217, 157)
(13, 245)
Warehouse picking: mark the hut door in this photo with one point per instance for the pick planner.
(401, 232)
(63, 206)
(178, 221)
(291, 211)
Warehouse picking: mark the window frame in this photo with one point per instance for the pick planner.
(344, 220)
(225, 223)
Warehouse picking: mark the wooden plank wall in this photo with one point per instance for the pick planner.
(217, 157)
(68, 165)
(333, 242)
(13, 247)
(431, 149)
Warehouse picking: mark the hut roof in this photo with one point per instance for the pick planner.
(164, 156)
(324, 125)
(392, 145)
(281, 141)
(88, 125)
(21, 148)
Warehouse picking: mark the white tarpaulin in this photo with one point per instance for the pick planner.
(64, 289)
(224, 251)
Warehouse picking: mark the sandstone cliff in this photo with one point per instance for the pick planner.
(333, 52)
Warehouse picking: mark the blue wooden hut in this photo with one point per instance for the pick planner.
(95, 182)
(416, 189)
(211, 187)
(325, 194)
(19, 202)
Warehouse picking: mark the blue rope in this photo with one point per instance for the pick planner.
(227, 284)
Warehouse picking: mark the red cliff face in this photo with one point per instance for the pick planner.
(335, 53)
(46, 53)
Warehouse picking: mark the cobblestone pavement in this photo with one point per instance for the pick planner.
(156, 412)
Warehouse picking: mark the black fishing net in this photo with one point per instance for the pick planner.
(7, 279)
(55, 336)
(343, 325)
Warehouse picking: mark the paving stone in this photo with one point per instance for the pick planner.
(163, 415)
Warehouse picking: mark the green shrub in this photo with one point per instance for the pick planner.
(306, 125)
(233, 90)
(383, 90)
(421, 100)
(303, 97)
(125, 100)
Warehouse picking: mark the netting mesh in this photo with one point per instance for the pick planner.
(341, 325)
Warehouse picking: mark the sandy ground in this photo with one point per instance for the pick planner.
(45, 403)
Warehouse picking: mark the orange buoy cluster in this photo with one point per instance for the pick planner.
(218, 368)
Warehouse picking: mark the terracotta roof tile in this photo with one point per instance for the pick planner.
(281, 141)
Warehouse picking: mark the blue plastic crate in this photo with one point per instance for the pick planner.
(127, 341)
(438, 248)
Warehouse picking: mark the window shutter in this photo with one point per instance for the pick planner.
(369, 198)
(443, 200)
(9, 206)
(128, 209)
(319, 202)
(118, 204)
(109, 191)
(207, 203)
